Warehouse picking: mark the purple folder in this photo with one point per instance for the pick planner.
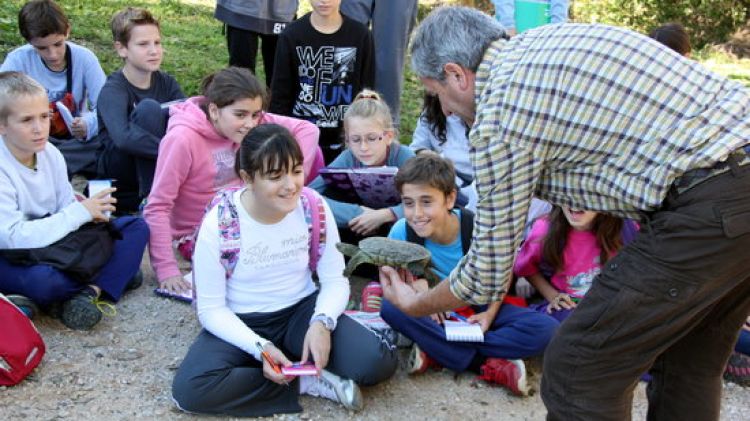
(373, 186)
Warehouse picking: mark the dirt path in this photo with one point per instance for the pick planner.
(124, 368)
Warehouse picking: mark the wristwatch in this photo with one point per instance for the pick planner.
(327, 322)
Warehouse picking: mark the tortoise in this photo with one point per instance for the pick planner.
(382, 251)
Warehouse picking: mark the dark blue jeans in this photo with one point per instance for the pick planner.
(45, 285)
(743, 343)
(516, 333)
(133, 175)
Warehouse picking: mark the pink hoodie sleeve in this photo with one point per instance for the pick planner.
(172, 168)
(306, 133)
(530, 254)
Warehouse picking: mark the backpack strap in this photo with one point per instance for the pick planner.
(412, 237)
(315, 216)
(467, 228)
(68, 70)
(229, 230)
(229, 227)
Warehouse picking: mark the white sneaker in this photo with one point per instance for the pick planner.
(333, 387)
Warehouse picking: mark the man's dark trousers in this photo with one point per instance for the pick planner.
(673, 301)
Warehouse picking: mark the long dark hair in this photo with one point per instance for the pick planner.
(226, 86)
(606, 228)
(432, 113)
(265, 149)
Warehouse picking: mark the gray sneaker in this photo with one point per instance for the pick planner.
(28, 307)
(333, 387)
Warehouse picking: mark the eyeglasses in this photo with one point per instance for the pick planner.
(371, 138)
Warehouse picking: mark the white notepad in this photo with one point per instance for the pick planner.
(456, 331)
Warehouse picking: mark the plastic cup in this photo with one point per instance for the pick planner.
(95, 186)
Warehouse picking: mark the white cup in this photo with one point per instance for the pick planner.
(95, 186)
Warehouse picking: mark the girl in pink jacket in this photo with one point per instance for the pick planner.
(196, 159)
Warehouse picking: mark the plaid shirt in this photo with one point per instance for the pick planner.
(589, 116)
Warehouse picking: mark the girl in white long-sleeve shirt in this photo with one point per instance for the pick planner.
(267, 300)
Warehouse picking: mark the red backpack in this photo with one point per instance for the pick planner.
(21, 346)
(57, 126)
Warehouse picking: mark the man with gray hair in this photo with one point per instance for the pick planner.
(604, 119)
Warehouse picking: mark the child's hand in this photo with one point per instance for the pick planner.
(370, 220)
(280, 359)
(561, 302)
(100, 203)
(317, 344)
(484, 319)
(175, 284)
(439, 318)
(79, 128)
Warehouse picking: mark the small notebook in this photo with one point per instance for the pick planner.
(456, 331)
(373, 186)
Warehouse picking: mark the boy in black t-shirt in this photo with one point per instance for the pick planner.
(132, 120)
(322, 61)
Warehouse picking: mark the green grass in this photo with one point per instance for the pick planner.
(194, 45)
(724, 64)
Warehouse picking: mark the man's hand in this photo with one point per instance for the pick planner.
(400, 288)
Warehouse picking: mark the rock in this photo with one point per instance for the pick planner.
(128, 355)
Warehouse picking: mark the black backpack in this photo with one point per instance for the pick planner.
(80, 254)
(467, 229)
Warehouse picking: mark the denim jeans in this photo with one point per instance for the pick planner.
(45, 285)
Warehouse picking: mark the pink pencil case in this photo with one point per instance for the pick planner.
(300, 369)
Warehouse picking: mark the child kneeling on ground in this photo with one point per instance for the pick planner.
(39, 208)
(257, 302)
(428, 192)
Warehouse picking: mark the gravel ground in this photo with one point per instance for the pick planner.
(123, 369)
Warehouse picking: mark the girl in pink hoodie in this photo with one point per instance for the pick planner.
(196, 159)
